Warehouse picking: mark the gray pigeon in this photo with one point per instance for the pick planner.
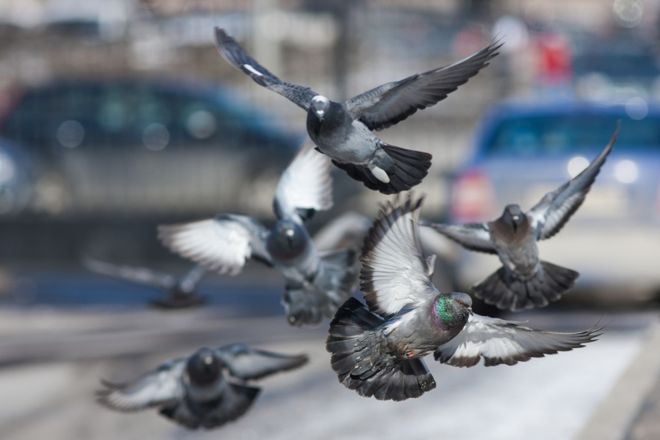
(343, 131)
(524, 281)
(205, 390)
(317, 283)
(377, 350)
(180, 290)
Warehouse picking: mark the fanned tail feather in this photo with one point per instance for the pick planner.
(409, 169)
(508, 292)
(362, 363)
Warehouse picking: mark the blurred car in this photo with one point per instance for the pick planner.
(617, 68)
(141, 147)
(524, 150)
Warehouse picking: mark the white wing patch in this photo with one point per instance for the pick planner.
(306, 183)
(252, 70)
(394, 272)
(217, 244)
(152, 389)
(505, 342)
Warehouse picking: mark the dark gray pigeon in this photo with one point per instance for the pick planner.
(377, 350)
(343, 131)
(205, 390)
(180, 291)
(317, 283)
(524, 281)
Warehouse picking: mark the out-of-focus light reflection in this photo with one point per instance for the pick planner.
(626, 171)
(512, 31)
(70, 134)
(7, 168)
(629, 12)
(576, 164)
(156, 137)
(201, 124)
(637, 108)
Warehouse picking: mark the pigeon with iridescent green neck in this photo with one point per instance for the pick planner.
(377, 349)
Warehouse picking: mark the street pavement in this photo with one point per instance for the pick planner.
(54, 359)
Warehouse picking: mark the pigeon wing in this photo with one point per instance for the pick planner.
(552, 212)
(156, 388)
(394, 272)
(305, 186)
(139, 275)
(344, 231)
(190, 280)
(240, 59)
(247, 363)
(473, 236)
(221, 244)
(392, 102)
(505, 342)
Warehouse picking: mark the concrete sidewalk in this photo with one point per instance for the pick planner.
(632, 408)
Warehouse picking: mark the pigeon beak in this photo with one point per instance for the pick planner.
(516, 218)
(320, 114)
(208, 360)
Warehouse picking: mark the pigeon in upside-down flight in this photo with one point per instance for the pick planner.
(343, 131)
(181, 291)
(205, 390)
(524, 281)
(377, 350)
(317, 283)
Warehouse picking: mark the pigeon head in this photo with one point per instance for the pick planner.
(204, 367)
(287, 241)
(514, 217)
(320, 106)
(451, 310)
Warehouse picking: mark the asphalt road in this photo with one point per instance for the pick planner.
(54, 355)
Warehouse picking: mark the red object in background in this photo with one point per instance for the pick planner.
(472, 197)
(553, 60)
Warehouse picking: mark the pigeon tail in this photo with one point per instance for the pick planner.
(334, 284)
(506, 291)
(362, 362)
(403, 170)
(235, 402)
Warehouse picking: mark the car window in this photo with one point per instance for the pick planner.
(557, 135)
(127, 116)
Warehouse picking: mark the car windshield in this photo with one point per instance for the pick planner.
(558, 135)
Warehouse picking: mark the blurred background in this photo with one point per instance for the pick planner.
(119, 115)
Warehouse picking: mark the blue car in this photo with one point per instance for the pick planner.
(523, 150)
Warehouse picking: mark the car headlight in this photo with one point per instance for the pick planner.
(7, 168)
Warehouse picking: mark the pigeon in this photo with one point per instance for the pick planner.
(180, 291)
(524, 281)
(344, 131)
(378, 349)
(205, 390)
(317, 283)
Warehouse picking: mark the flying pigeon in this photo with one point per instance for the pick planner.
(524, 281)
(181, 291)
(344, 131)
(317, 283)
(377, 350)
(205, 390)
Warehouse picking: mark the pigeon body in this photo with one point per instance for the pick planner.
(205, 390)
(524, 280)
(344, 131)
(377, 349)
(180, 291)
(317, 283)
